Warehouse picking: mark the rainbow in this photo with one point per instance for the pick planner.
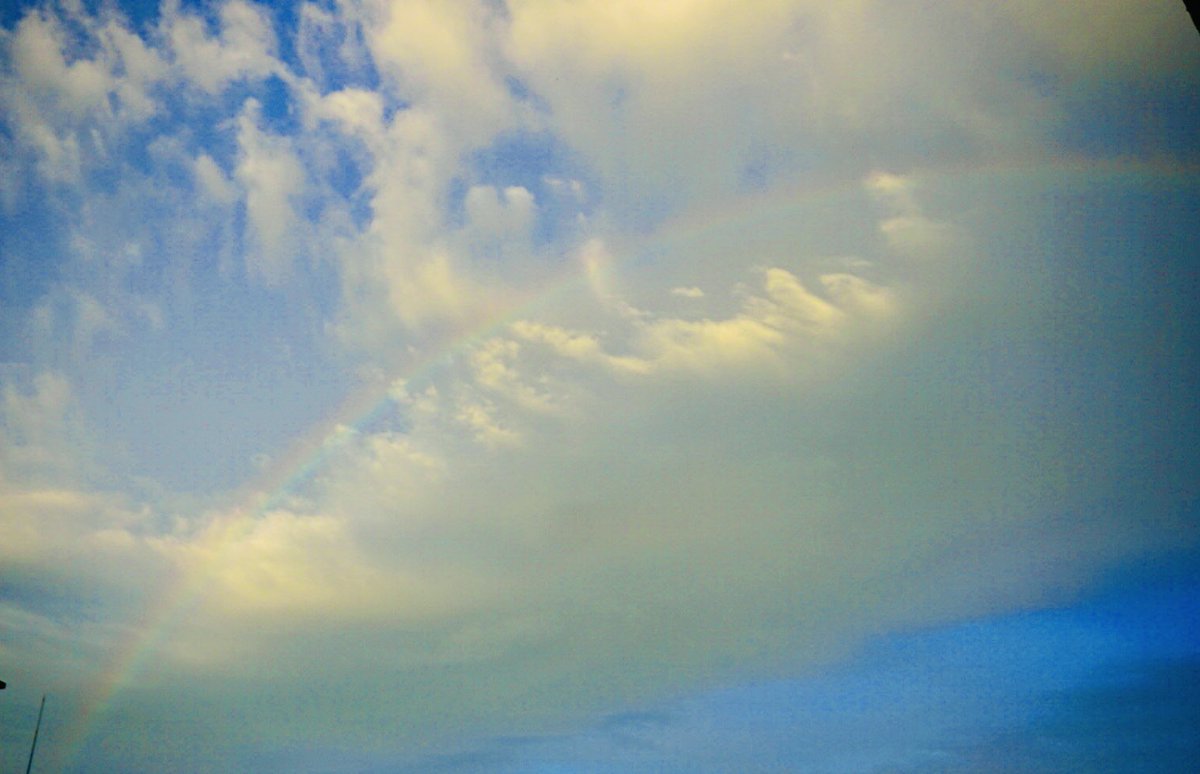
(284, 477)
(307, 456)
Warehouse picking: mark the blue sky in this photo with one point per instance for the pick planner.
(546, 386)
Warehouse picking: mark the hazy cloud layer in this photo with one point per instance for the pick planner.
(378, 376)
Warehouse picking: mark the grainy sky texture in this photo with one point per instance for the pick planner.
(599, 385)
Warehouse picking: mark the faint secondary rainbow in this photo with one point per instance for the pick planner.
(284, 477)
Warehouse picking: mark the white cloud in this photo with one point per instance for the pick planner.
(784, 317)
(856, 294)
(894, 190)
(273, 179)
(59, 535)
(402, 272)
(480, 417)
(694, 522)
(908, 231)
(288, 566)
(140, 69)
(37, 428)
(72, 88)
(213, 181)
(628, 83)
(78, 87)
(76, 66)
(731, 91)
(570, 344)
(356, 112)
(58, 156)
(91, 320)
(244, 46)
(500, 214)
(572, 188)
(444, 58)
(493, 368)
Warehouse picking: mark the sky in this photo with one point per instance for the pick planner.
(599, 385)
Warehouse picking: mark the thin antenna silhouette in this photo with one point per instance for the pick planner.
(38, 727)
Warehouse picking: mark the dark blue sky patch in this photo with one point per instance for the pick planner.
(11, 14)
(345, 172)
(755, 175)
(66, 605)
(284, 18)
(456, 196)
(521, 91)
(1140, 717)
(1125, 118)
(517, 88)
(142, 15)
(279, 113)
(519, 158)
